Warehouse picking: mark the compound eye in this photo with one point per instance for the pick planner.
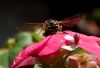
(50, 21)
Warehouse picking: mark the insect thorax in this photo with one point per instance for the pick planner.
(51, 27)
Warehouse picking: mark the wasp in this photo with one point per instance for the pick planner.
(52, 26)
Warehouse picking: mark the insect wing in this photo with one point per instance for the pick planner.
(71, 21)
(38, 28)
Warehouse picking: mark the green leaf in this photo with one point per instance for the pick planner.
(36, 37)
(4, 58)
(23, 39)
(78, 51)
(13, 53)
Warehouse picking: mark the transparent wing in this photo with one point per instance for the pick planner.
(71, 21)
(36, 27)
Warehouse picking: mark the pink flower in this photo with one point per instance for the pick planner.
(49, 48)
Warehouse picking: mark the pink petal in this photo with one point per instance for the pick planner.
(48, 46)
(53, 45)
(32, 50)
(90, 47)
(88, 43)
(49, 59)
(28, 61)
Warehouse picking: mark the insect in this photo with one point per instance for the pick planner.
(52, 26)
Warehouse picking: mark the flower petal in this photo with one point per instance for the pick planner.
(48, 46)
(52, 44)
(88, 43)
(28, 61)
(32, 50)
(55, 43)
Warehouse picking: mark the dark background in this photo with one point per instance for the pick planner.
(13, 12)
